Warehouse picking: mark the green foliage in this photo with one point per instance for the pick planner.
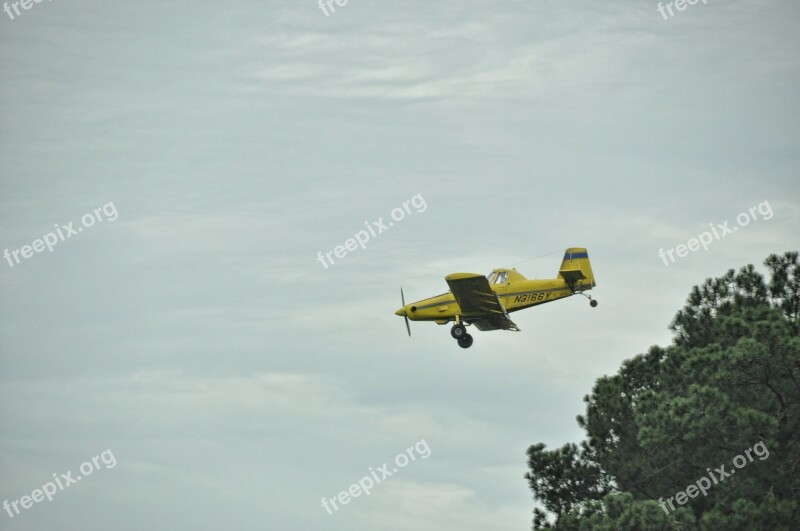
(570, 477)
(731, 380)
(619, 512)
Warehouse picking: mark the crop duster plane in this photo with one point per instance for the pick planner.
(486, 301)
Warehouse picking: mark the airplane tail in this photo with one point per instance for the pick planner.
(576, 269)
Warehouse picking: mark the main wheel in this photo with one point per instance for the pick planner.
(593, 303)
(458, 331)
(465, 342)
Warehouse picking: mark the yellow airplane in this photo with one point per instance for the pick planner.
(486, 301)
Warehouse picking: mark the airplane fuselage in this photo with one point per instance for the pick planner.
(486, 301)
(513, 296)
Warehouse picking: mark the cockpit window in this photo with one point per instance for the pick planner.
(498, 277)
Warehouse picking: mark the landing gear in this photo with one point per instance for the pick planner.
(465, 342)
(592, 302)
(458, 331)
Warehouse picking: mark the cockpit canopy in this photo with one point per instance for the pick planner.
(497, 277)
(504, 276)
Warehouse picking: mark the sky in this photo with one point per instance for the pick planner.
(182, 165)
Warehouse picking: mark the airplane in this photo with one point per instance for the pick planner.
(486, 301)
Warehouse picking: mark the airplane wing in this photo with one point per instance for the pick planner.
(479, 304)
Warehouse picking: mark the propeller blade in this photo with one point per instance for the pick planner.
(403, 300)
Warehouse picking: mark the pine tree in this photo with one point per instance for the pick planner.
(731, 380)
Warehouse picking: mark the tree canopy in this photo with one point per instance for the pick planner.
(730, 381)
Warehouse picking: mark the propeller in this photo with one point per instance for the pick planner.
(403, 300)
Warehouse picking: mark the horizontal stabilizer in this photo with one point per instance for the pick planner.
(572, 275)
(576, 270)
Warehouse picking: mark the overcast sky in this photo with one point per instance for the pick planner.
(235, 379)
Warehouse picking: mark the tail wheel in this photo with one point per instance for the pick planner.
(465, 342)
(593, 303)
(458, 331)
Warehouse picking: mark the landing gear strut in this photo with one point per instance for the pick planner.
(592, 302)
